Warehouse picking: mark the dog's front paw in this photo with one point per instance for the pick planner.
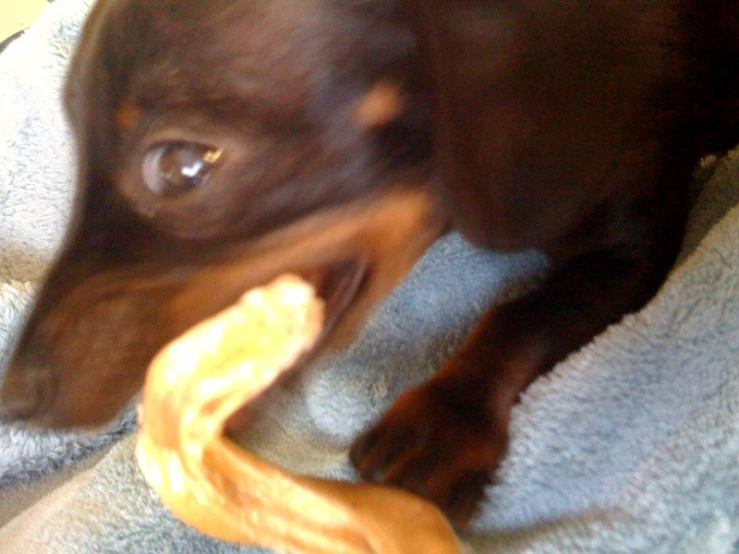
(436, 445)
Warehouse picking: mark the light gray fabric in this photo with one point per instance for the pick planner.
(630, 445)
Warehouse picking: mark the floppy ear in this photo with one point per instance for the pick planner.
(730, 19)
(718, 53)
(730, 22)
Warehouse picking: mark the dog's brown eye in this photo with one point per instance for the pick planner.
(178, 167)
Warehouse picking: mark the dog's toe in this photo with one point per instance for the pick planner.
(429, 446)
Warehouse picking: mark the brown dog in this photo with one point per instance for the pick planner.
(224, 142)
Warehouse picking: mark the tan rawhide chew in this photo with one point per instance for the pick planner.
(195, 384)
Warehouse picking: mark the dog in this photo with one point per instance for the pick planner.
(222, 143)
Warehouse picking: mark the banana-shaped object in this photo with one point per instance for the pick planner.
(199, 380)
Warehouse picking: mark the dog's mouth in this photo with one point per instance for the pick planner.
(352, 256)
(338, 284)
(98, 334)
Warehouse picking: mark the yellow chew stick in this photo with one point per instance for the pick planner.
(199, 380)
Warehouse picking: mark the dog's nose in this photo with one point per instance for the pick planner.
(26, 394)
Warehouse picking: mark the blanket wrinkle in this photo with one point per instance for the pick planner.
(629, 445)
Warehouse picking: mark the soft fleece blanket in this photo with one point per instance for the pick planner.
(630, 445)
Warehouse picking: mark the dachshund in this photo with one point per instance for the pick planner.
(222, 143)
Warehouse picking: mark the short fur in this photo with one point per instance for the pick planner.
(570, 126)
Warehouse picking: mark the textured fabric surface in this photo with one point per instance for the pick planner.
(630, 445)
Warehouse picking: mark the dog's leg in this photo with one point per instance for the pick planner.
(554, 131)
(443, 439)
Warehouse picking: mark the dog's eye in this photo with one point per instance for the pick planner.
(178, 167)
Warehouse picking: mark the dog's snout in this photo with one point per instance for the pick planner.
(27, 393)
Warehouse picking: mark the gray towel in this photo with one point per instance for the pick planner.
(630, 445)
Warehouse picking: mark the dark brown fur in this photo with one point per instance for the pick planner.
(569, 126)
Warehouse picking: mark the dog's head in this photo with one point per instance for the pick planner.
(220, 144)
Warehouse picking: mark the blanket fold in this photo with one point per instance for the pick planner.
(629, 445)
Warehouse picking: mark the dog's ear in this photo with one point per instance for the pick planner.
(730, 20)
(730, 24)
(716, 54)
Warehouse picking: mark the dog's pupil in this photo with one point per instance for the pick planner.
(184, 166)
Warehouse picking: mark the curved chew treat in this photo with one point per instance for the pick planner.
(199, 380)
